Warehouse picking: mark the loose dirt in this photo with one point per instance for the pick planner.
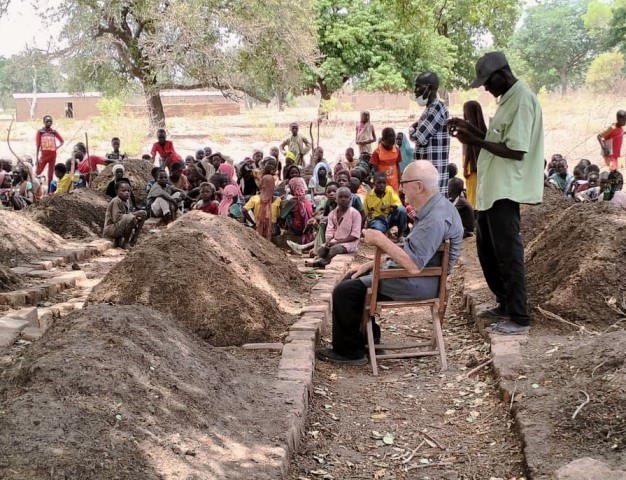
(535, 217)
(78, 214)
(568, 369)
(573, 266)
(21, 238)
(136, 170)
(123, 392)
(8, 281)
(213, 274)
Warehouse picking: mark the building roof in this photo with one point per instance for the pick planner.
(58, 95)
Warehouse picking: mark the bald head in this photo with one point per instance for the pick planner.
(428, 78)
(425, 171)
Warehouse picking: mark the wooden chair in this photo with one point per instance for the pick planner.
(373, 308)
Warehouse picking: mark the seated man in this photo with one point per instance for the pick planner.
(438, 221)
(121, 225)
(384, 209)
(342, 231)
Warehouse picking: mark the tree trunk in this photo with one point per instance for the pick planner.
(156, 114)
(282, 100)
(33, 103)
(325, 92)
(563, 76)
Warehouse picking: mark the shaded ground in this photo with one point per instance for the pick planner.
(211, 273)
(78, 214)
(439, 425)
(137, 171)
(123, 392)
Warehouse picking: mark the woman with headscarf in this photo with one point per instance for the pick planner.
(473, 114)
(298, 211)
(228, 170)
(406, 150)
(319, 179)
(229, 202)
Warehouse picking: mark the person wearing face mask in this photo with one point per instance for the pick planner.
(510, 172)
(430, 134)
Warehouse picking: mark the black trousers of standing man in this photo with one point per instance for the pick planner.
(501, 255)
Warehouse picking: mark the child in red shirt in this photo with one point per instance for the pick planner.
(165, 149)
(611, 140)
(207, 202)
(387, 157)
(46, 140)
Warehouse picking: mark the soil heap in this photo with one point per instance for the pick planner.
(22, 238)
(594, 365)
(136, 170)
(123, 392)
(536, 217)
(78, 214)
(213, 274)
(573, 265)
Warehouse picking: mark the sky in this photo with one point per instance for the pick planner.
(22, 26)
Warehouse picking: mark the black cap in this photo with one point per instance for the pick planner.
(486, 65)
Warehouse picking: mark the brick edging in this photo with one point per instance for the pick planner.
(297, 363)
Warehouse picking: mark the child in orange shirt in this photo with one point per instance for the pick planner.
(387, 157)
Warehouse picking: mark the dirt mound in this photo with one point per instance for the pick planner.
(593, 365)
(136, 170)
(573, 265)
(222, 279)
(22, 238)
(536, 217)
(125, 393)
(78, 214)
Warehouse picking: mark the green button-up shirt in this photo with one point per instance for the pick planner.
(518, 124)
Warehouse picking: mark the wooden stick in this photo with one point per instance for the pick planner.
(554, 316)
(474, 370)
(424, 465)
(596, 367)
(410, 457)
(434, 440)
(580, 407)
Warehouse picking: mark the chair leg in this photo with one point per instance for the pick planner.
(370, 343)
(439, 338)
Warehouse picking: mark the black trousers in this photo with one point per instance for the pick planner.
(501, 255)
(348, 302)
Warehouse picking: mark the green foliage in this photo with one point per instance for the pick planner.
(616, 33)
(110, 106)
(605, 71)
(553, 38)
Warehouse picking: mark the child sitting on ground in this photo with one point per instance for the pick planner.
(561, 178)
(592, 192)
(342, 231)
(116, 155)
(466, 212)
(177, 178)
(65, 180)
(384, 209)
(576, 182)
(163, 200)
(208, 202)
(120, 224)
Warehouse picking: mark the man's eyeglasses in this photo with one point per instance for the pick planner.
(402, 182)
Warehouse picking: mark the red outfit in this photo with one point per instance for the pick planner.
(163, 151)
(46, 140)
(616, 134)
(387, 161)
(84, 169)
(210, 207)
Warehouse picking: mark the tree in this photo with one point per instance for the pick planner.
(553, 37)
(182, 44)
(366, 42)
(616, 34)
(605, 71)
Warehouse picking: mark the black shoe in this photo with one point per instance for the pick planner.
(328, 355)
(497, 313)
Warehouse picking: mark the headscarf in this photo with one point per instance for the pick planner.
(297, 186)
(340, 167)
(315, 178)
(229, 193)
(407, 152)
(264, 222)
(290, 156)
(228, 170)
(116, 167)
(473, 114)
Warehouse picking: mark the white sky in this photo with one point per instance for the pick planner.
(22, 26)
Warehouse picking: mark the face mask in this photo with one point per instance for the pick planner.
(423, 100)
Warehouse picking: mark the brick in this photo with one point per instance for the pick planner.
(293, 393)
(306, 325)
(316, 316)
(43, 264)
(8, 336)
(13, 299)
(300, 364)
(34, 295)
(41, 274)
(298, 350)
(32, 333)
(28, 314)
(301, 335)
(319, 297)
(13, 323)
(22, 270)
(303, 376)
(46, 318)
(315, 308)
(262, 346)
(323, 287)
(101, 245)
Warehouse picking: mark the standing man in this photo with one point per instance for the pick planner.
(430, 133)
(297, 144)
(46, 140)
(510, 172)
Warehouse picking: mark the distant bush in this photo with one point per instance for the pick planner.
(605, 72)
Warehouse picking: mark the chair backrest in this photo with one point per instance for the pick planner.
(441, 272)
